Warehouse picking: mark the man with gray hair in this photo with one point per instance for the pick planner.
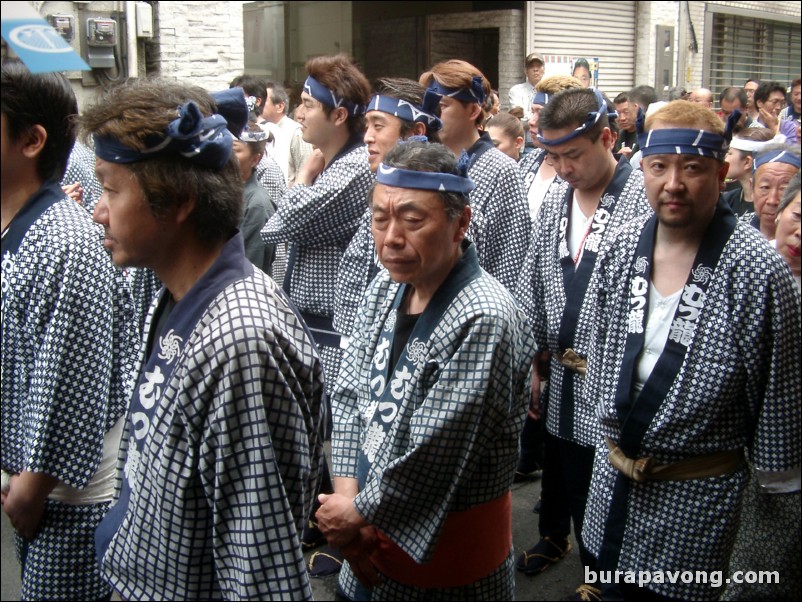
(775, 165)
(430, 400)
(219, 461)
(703, 97)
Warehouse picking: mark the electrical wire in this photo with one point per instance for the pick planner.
(694, 45)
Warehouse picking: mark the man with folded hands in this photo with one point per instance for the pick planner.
(430, 401)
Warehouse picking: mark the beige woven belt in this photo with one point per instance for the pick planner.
(572, 361)
(700, 467)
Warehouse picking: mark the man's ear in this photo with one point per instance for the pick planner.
(184, 210)
(33, 141)
(608, 138)
(464, 221)
(339, 115)
(476, 110)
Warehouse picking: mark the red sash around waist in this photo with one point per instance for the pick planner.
(472, 545)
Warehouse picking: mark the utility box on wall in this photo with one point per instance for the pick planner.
(64, 24)
(101, 38)
(144, 20)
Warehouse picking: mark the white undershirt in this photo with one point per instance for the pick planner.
(101, 487)
(658, 323)
(537, 192)
(578, 227)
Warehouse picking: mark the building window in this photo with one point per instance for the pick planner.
(744, 47)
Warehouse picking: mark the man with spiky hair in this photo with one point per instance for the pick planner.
(594, 195)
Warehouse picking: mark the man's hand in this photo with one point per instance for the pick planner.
(541, 367)
(338, 519)
(358, 552)
(75, 192)
(311, 169)
(24, 502)
(769, 120)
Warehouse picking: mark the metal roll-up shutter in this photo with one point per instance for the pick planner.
(589, 30)
(743, 47)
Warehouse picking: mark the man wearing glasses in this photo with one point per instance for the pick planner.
(769, 101)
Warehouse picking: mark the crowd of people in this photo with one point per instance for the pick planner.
(602, 293)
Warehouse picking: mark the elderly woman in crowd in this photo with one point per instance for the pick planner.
(788, 228)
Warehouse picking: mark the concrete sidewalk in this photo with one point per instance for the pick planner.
(558, 582)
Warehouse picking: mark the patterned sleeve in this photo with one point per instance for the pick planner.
(255, 464)
(351, 379)
(531, 290)
(507, 226)
(463, 417)
(71, 376)
(326, 212)
(525, 290)
(81, 168)
(270, 177)
(776, 449)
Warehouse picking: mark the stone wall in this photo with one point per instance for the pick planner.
(198, 42)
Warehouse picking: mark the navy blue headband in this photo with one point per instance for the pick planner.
(232, 104)
(202, 140)
(684, 141)
(407, 111)
(321, 93)
(540, 98)
(591, 120)
(426, 180)
(475, 93)
(777, 156)
(256, 135)
(680, 141)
